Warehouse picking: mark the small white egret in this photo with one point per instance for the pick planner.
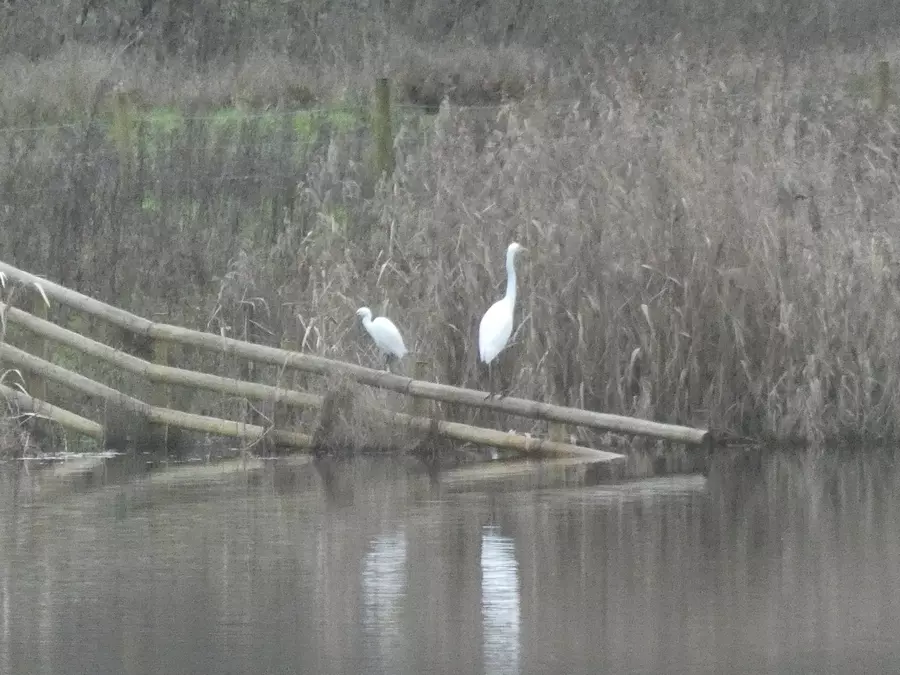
(384, 333)
(497, 323)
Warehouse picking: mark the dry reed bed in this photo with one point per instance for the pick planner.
(674, 271)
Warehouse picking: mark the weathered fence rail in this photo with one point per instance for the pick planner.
(164, 416)
(28, 404)
(163, 375)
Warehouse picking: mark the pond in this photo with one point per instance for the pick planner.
(765, 562)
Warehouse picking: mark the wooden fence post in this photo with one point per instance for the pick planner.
(419, 407)
(557, 431)
(249, 372)
(37, 384)
(247, 367)
(758, 89)
(160, 393)
(123, 126)
(883, 86)
(381, 127)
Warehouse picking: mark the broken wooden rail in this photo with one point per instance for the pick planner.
(164, 416)
(160, 373)
(26, 404)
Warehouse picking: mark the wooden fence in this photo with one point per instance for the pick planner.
(159, 376)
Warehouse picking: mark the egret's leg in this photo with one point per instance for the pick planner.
(490, 382)
(504, 389)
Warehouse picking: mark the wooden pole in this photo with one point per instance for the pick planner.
(248, 370)
(333, 404)
(758, 88)
(501, 439)
(28, 404)
(419, 406)
(381, 127)
(37, 385)
(154, 414)
(367, 376)
(557, 431)
(160, 394)
(158, 373)
(883, 86)
(123, 125)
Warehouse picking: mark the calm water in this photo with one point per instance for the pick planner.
(786, 563)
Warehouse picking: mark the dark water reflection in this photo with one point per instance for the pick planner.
(771, 564)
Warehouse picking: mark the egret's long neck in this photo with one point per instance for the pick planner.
(511, 277)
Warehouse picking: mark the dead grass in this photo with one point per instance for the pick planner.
(15, 439)
(60, 87)
(468, 76)
(712, 238)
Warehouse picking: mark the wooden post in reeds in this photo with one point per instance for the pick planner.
(160, 394)
(381, 127)
(420, 407)
(247, 366)
(36, 384)
(882, 99)
(882, 86)
(557, 432)
(122, 123)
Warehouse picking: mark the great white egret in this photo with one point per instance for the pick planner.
(384, 333)
(497, 323)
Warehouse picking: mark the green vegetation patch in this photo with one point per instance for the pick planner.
(164, 119)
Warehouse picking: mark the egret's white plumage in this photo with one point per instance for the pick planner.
(497, 323)
(383, 332)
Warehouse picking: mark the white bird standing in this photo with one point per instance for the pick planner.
(384, 333)
(497, 323)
